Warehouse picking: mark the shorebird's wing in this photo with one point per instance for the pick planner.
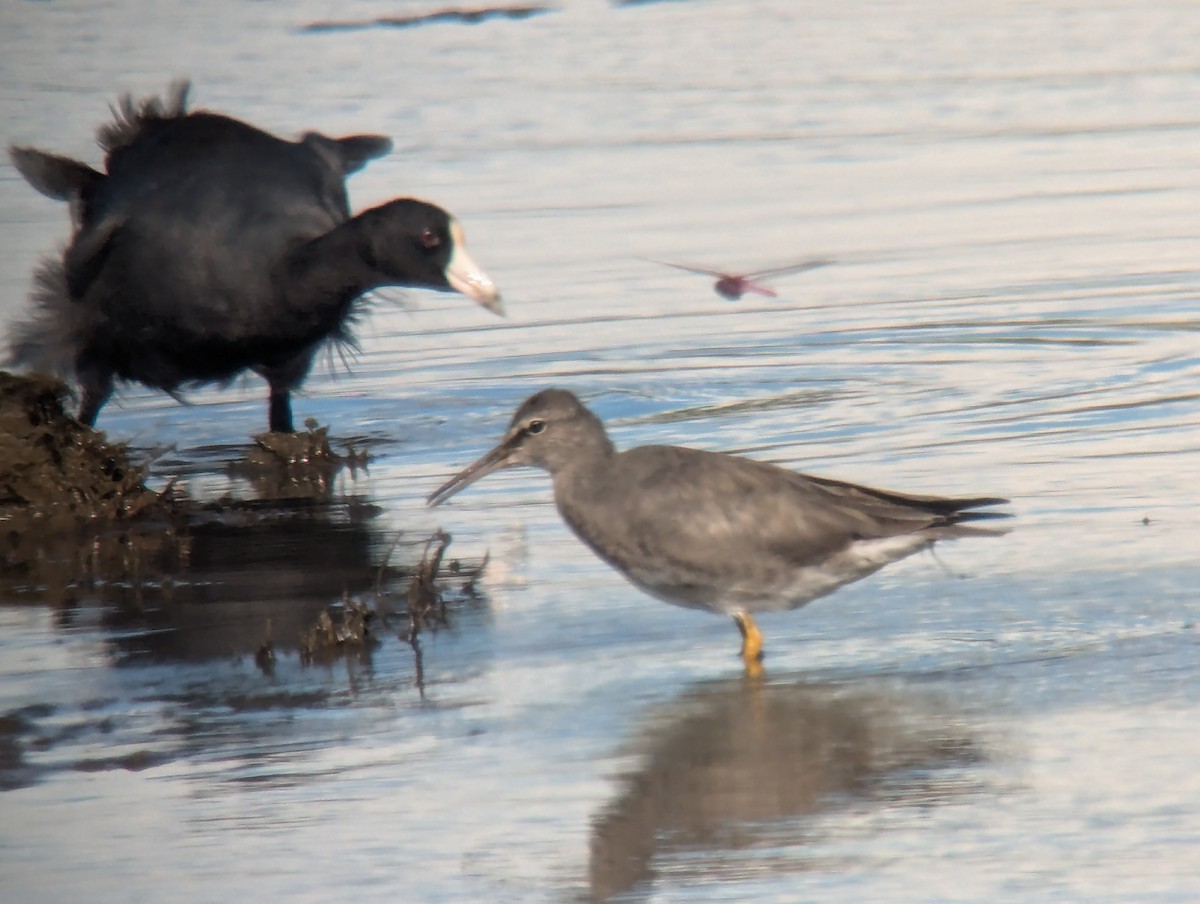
(721, 532)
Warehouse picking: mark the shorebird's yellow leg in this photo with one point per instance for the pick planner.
(752, 651)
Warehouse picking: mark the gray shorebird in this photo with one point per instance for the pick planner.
(734, 285)
(713, 531)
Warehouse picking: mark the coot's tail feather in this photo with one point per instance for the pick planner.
(55, 329)
(130, 116)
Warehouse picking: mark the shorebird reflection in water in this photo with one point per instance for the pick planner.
(713, 531)
(734, 285)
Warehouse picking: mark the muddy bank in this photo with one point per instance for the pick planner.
(55, 473)
(297, 568)
(73, 507)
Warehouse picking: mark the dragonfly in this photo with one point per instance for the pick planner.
(734, 285)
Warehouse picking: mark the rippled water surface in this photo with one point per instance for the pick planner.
(1009, 194)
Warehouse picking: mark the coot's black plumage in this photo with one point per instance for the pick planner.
(208, 247)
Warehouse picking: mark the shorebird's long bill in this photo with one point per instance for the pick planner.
(466, 276)
(499, 457)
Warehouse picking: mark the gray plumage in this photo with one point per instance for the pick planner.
(714, 531)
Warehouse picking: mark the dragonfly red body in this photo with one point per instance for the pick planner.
(734, 285)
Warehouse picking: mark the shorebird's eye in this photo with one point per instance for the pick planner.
(429, 238)
(536, 427)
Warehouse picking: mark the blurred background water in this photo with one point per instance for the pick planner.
(1009, 193)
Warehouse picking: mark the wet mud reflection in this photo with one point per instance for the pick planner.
(244, 648)
(248, 579)
(742, 766)
(56, 474)
(294, 465)
(249, 576)
(294, 567)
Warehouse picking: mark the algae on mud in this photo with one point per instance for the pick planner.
(73, 507)
(296, 465)
(55, 470)
(297, 566)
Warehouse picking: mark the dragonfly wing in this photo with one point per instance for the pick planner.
(792, 268)
(689, 268)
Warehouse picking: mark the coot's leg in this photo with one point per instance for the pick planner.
(97, 385)
(283, 377)
(281, 409)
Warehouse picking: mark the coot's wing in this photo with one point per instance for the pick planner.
(60, 178)
(350, 154)
(88, 252)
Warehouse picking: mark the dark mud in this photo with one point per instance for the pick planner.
(296, 576)
(296, 568)
(297, 465)
(73, 507)
(55, 473)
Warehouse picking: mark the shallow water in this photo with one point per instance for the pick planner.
(1009, 193)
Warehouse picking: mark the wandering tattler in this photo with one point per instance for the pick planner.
(713, 531)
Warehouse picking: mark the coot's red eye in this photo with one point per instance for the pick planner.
(429, 238)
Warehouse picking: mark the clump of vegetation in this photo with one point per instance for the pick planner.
(346, 629)
(78, 522)
(72, 505)
(307, 449)
(55, 472)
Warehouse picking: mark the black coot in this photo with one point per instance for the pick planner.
(208, 247)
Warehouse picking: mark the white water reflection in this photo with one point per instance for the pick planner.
(1010, 196)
